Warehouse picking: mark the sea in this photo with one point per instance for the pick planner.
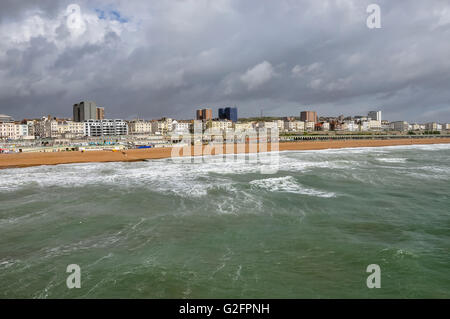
(223, 228)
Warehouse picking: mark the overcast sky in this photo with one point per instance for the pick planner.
(157, 58)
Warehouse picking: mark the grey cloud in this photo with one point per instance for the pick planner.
(171, 57)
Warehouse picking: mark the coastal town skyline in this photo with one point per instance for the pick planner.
(215, 115)
(91, 120)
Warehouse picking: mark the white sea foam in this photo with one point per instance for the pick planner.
(197, 179)
(392, 160)
(289, 185)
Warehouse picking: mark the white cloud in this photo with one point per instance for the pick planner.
(258, 75)
(298, 70)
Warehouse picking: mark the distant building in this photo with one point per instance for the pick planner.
(180, 127)
(197, 127)
(5, 118)
(221, 114)
(294, 126)
(204, 114)
(243, 126)
(374, 115)
(228, 113)
(374, 124)
(84, 111)
(360, 118)
(162, 126)
(432, 126)
(140, 127)
(219, 126)
(400, 126)
(364, 126)
(308, 116)
(14, 131)
(351, 126)
(100, 113)
(309, 126)
(67, 129)
(105, 128)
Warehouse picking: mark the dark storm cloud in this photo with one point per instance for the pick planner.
(166, 58)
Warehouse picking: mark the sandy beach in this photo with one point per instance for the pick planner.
(35, 159)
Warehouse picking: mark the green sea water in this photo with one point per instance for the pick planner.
(216, 229)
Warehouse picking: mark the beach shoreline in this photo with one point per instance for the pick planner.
(20, 160)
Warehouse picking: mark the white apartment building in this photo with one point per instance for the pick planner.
(45, 127)
(243, 126)
(67, 129)
(299, 126)
(56, 128)
(268, 125)
(350, 126)
(401, 126)
(7, 130)
(21, 130)
(162, 126)
(432, 126)
(219, 126)
(375, 124)
(140, 127)
(181, 126)
(14, 131)
(198, 126)
(105, 127)
(289, 126)
(280, 125)
(309, 126)
(364, 126)
(295, 126)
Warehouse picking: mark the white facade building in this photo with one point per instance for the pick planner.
(181, 127)
(400, 126)
(140, 127)
(219, 126)
(309, 126)
(162, 126)
(105, 128)
(14, 131)
(432, 126)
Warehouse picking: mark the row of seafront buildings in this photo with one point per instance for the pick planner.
(89, 121)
